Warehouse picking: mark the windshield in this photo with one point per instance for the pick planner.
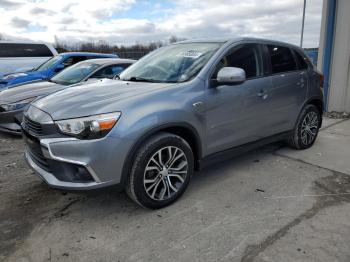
(74, 74)
(49, 63)
(171, 64)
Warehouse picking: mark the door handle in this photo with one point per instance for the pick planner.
(301, 83)
(263, 94)
(198, 104)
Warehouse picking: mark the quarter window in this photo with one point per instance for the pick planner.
(301, 61)
(282, 59)
(246, 57)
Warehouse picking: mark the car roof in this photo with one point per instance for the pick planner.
(106, 61)
(87, 54)
(237, 39)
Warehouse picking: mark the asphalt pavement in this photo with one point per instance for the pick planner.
(272, 204)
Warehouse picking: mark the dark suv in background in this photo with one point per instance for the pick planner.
(170, 113)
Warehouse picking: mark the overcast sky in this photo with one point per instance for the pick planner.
(128, 21)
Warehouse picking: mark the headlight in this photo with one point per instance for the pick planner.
(91, 127)
(17, 105)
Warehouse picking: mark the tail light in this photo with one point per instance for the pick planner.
(321, 80)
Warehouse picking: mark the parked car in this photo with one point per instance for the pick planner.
(171, 112)
(22, 56)
(13, 101)
(49, 68)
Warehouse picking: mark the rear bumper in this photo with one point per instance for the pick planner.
(10, 122)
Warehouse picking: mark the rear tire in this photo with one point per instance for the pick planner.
(306, 129)
(161, 171)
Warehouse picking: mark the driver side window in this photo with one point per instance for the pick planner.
(109, 71)
(73, 60)
(246, 57)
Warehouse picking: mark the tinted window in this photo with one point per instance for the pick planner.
(282, 59)
(301, 61)
(73, 60)
(24, 50)
(246, 57)
(109, 71)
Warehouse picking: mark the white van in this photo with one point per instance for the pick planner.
(21, 56)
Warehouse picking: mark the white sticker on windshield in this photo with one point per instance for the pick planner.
(190, 54)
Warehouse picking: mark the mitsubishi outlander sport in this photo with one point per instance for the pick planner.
(171, 112)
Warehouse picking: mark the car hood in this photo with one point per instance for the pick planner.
(21, 74)
(25, 91)
(94, 98)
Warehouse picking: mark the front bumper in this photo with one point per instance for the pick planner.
(70, 163)
(10, 122)
(52, 181)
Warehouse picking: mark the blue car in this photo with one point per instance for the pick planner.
(49, 68)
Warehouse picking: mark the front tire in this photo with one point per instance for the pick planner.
(306, 129)
(161, 171)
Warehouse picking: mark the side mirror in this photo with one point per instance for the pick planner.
(231, 75)
(59, 67)
(116, 77)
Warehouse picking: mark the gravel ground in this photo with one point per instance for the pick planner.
(268, 205)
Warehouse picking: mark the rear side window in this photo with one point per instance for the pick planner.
(246, 57)
(301, 61)
(282, 59)
(24, 50)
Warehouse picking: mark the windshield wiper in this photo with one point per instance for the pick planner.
(141, 79)
(50, 80)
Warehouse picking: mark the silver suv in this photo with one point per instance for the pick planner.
(170, 113)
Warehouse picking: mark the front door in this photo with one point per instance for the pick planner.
(238, 114)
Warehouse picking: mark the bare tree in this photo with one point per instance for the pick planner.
(135, 51)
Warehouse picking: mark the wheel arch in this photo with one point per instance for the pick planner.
(318, 102)
(182, 129)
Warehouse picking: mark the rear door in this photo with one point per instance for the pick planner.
(289, 87)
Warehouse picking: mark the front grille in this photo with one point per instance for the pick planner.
(35, 152)
(32, 127)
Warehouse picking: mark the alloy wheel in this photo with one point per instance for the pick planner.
(309, 128)
(165, 173)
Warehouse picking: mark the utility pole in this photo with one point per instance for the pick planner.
(302, 25)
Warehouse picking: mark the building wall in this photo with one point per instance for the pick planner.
(339, 82)
(322, 36)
